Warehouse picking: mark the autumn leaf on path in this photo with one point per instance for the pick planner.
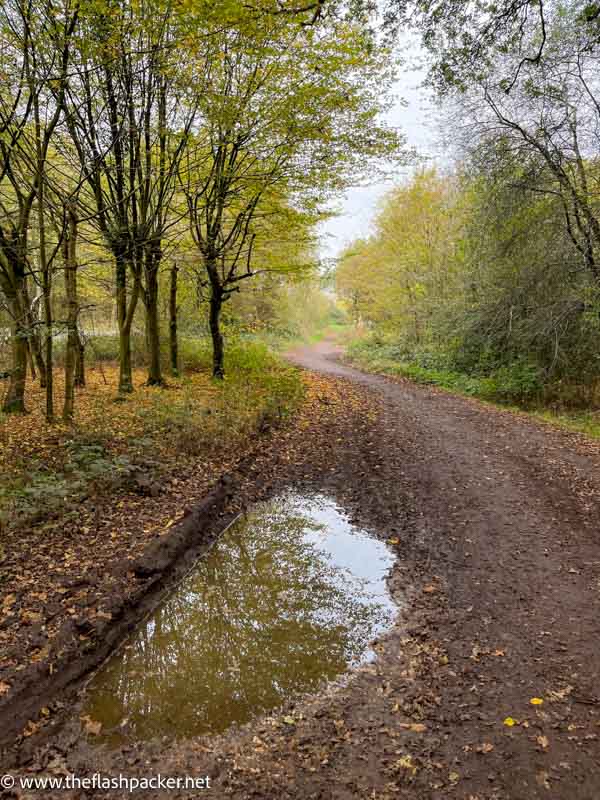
(536, 701)
(406, 763)
(91, 726)
(542, 741)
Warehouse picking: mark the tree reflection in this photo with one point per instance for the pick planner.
(267, 614)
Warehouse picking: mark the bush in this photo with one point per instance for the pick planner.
(519, 382)
(103, 349)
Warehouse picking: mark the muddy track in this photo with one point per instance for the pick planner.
(508, 511)
(495, 521)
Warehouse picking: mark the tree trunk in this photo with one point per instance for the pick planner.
(70, 360)
(152, 326)
(14, 401)
(70, 266)
(48, 342)
(35, 344)
(30, 360)
(125, 312)
(36, 351)
(216, 303)
(125, 371)
(173, 341)
(41, 144)
(80, 363)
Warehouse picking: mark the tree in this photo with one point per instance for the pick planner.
(36, 53)
(288, 114)
(397, 278)
(354, 278)
(128, 129)
(465, 38)
(73, 354)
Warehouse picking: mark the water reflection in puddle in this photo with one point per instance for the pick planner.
(290, 595)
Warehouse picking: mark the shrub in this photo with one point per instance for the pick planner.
(520, 382)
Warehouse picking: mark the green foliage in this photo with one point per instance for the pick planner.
(104, 348)
(520, 385)
(41, 494)
(517, 383)
(477, 278)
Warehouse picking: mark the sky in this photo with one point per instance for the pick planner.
(415, 117)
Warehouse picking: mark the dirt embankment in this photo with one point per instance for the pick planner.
(495, 520)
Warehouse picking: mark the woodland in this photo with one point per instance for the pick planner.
(178, 346)
(133, 179)
(157, 209)
(481, 273)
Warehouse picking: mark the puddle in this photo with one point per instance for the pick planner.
(289, 596)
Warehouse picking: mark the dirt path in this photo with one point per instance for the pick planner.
(495, 520)
(508, 512)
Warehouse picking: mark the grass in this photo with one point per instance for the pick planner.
(586, 422)
(47, 468)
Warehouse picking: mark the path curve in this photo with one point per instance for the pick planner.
(507, 511)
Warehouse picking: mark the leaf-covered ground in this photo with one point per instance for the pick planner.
(488, 687)
(78, 500)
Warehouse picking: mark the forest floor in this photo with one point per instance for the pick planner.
(489, 686)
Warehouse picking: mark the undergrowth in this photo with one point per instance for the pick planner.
(115, 446)
(519, 385)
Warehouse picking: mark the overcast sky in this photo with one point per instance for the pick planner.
(416, 118)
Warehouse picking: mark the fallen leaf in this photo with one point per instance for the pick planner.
(4, 687)
(429, 589)
(31, 728)
(475, 652)
(542, 741)
(559, 694)
(536, 701)
(394, 540)
(30, 617)
(486, 747)
(542, 779)
(509, 722)
(407, 763)
(289, 720)
(91, 726)
(8, 601)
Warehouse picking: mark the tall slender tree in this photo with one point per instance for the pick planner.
(36, 55)
(129, 127)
